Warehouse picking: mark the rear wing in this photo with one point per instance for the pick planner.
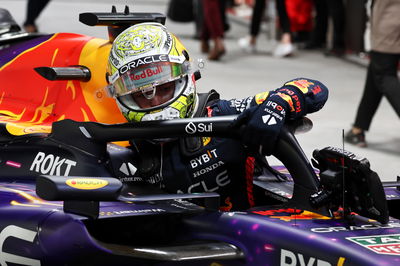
(117, 22)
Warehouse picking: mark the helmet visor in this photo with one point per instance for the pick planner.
(147, 77)
(156, 97)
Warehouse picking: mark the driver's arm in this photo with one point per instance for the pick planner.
(264, 114)
(303, 96)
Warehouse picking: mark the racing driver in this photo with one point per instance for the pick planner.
(151, 78)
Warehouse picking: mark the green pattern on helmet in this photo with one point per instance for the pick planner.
(136, 40)
(184, 105)
(144, 41)
(134, 116)
(176, 70)
(191, 103)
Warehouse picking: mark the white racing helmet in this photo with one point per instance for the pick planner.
(150, 74)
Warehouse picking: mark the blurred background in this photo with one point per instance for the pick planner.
(240, 72)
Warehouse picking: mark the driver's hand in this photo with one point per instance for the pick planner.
(304, 96)
(262, 124)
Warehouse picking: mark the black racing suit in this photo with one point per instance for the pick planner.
(202, 164)
(207, 164)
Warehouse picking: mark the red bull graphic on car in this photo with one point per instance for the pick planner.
(26, 112)
(290, 214)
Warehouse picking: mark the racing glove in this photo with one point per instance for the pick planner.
(263, 124)
(304, 96)
(293, 100)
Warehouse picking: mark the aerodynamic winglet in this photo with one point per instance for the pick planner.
(81, 73)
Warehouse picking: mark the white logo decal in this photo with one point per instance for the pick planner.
(222, 179)
(20, 233)
(191, 128)
(142, 61)
(241, 104)
(353, 228)
(50, 164)
(289, 258)
(269, 120)
(204, 158)
(128, 169)
(208, 169)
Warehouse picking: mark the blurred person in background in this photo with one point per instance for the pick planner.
(285, 46)
(248, 43)
(301, 20)
(336, 11)
(382, 78)
(290, 21)
(33, 10)
(198, 15)
(213, 29)
(318, 36)
(326, 9)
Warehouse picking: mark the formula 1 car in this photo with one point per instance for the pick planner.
(65, 196)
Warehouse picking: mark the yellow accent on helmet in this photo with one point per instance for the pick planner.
(143, 48)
